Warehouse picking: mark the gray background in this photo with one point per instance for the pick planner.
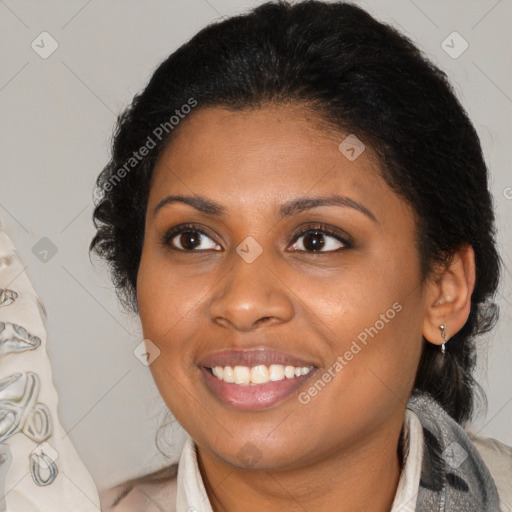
(57, 117)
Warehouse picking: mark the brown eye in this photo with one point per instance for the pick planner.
(313, 241)
(320, 240)
(188, 238)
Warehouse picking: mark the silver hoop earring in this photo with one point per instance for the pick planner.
(443, 334)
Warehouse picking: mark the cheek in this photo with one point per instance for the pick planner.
(355, 294)
(165, 310)
(167, 298)
(372, 317)
(169, 308)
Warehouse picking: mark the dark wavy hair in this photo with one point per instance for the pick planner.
(360, 76)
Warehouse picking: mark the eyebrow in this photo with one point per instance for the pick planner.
(287, 209)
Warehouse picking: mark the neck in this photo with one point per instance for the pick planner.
(362, 478)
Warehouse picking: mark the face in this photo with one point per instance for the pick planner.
(260, 280)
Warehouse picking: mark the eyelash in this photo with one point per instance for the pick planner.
(311, 228)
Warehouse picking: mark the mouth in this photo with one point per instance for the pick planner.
(254, 379)
(257, 375)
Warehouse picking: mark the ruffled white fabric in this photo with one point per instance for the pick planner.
(40, 470)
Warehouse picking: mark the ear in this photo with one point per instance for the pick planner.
(448, 296)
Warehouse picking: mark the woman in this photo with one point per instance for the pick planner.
(297, 208)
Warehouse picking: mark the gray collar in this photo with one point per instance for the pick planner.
(454, 477)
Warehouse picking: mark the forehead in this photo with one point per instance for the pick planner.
(248, 149)
(251, 162)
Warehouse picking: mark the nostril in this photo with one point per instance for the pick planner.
(263, 319)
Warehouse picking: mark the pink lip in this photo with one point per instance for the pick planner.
(254, 397)
(253, 357)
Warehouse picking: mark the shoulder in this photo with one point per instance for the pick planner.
(497, 456)
(150, 493)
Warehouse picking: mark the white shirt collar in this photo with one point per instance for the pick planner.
(409, 482)
(191, 493)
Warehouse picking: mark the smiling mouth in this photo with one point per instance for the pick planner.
(255, 378)
(246, 395)
(259, 374)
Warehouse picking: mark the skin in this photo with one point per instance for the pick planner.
(312, 305)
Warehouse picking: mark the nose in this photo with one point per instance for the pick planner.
(250, 295)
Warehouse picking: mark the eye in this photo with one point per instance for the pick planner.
(189, 238)
(314, 240)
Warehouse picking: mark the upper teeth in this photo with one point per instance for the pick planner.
(258, 374)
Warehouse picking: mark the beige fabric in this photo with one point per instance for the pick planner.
(31, 430)
(147, 497)
(498, 459)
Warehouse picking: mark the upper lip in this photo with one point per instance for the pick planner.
(252, 357)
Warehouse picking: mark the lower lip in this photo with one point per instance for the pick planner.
(254, 397)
